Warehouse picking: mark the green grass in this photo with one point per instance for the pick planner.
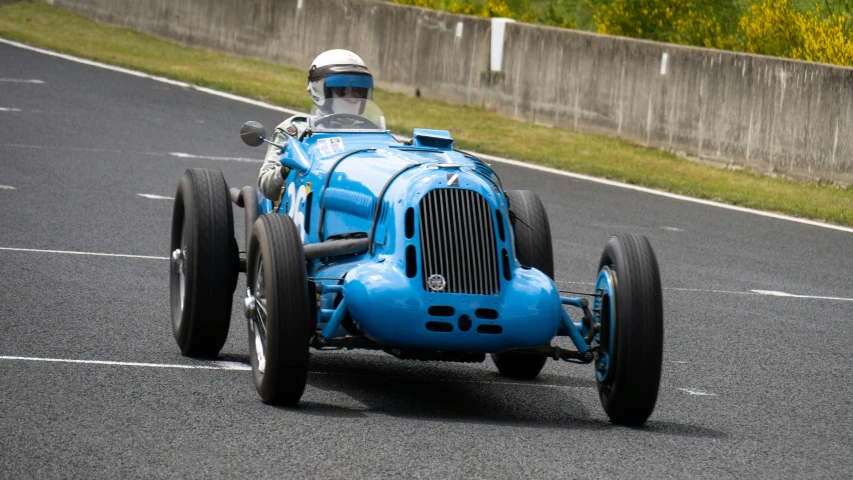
(475, 129)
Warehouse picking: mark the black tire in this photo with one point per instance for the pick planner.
(279, 286)
(533, 248)
(204, 263)
(629, 391)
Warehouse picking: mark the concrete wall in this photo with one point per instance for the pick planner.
(763, 113)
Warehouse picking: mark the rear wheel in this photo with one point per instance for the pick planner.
(533, 248)
(278, 310)
(204, 263)
(629, 311)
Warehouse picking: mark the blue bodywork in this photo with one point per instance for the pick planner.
(375, 182)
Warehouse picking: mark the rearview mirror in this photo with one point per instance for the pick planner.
(253, 133)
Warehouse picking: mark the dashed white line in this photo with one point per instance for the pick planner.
(68, 252)
(21, 80)
(773, 293)
(149, 257)
(155, 197)
(121, 364)
(699, 393)
(7, 187)
(9, 109)
(480, 155)
(233, 366)
(204, 157)
(136, 73)
(241, 367)
(125, 152)
(236, 366)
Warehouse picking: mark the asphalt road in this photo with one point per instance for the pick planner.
(754, 385)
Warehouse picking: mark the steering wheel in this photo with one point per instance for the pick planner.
(339, 117)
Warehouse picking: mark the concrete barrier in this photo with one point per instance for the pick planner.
(762, 113)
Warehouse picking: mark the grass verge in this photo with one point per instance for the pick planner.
(49, 27)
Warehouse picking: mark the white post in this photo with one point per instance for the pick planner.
(497, 52)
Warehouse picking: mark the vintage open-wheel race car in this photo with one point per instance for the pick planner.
(413, 248)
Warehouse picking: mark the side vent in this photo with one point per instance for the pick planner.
(411, 261)
(500, 225)
(505, 262)
(441, 311)
(490, 329)
(439, 326)
(410, 223)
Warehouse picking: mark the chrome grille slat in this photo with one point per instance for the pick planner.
(458, 241)
(467, 247)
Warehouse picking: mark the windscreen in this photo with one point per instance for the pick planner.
(347, 114)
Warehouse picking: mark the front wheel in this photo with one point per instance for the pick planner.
(629, 312)
(278, 310)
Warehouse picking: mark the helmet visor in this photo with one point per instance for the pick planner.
(349, 86)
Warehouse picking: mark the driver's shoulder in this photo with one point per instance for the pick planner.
(293, 125)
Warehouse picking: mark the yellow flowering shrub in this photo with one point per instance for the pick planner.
(774, 27)
(689, 22)
(482, 8)
(769, 27)
(559, 13)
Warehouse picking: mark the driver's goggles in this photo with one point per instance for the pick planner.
(349, 92)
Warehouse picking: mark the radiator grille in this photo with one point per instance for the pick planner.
(458, 241)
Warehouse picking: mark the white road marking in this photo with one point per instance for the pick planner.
(233, 366)
(154, 197)
(690, 391)
(480, 155)
(21, 80)
(7, 187)
(236, 366)
(8, 109)
(120, 364)
(635, 227)
(705, 290)
(204, 157)
(34, 250)
(124, 152)
(136, 73)
(770, 293)
(774, 293)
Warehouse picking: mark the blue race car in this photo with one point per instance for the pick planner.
(413, 248)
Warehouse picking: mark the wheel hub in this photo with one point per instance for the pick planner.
(177, 260)
(250, 306)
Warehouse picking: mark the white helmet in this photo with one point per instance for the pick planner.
(339, 82)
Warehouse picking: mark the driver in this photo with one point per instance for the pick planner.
(338, 82)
